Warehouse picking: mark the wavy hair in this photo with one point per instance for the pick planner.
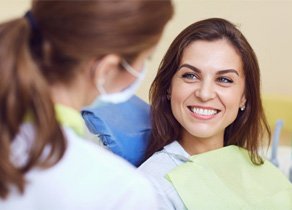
(249, 127)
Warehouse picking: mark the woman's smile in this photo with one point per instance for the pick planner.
(204, 113)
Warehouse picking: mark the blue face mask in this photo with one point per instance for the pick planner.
(125, 94)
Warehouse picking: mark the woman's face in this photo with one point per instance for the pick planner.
(207, 90)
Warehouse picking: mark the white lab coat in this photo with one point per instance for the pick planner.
(87, 177)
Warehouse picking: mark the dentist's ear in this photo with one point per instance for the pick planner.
(105, 67)
(105, 70)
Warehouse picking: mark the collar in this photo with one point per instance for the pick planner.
(176, 152)
(71, 118)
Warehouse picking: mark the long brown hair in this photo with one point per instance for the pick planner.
(59, 36)
(249, 127)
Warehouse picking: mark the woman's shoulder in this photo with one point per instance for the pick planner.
(158, 164)
(157, 167)
(161, 162)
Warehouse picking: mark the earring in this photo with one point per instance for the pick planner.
(242, 108)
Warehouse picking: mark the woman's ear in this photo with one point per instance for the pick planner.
(242, 102)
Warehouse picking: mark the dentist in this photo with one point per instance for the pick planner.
(60, 57)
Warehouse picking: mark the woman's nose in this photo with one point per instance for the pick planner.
(205, 91)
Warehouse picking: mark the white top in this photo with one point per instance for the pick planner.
(86, 178)
(157, 166)
(162, 162)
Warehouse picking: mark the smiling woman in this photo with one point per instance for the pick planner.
(209, 62)
(206, 93)
(208, 123)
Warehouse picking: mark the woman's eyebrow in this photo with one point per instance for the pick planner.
(220, 72)
(190, 67)
(225, 71)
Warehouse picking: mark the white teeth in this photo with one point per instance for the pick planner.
(201, 111)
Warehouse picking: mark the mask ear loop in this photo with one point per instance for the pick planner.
(100, 87)
(129, 68)
(100, 82)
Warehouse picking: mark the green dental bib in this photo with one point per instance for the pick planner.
(226, 179)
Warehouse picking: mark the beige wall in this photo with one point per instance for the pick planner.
(13, 8)
(266, 24)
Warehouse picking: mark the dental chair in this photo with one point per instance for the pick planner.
(278, 109)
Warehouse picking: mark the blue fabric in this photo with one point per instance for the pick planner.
(123, 128)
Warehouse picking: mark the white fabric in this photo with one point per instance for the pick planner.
(284, 159)
(172, 155)
(87, 177)
(157, 166)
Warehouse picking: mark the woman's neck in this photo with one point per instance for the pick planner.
(194, 145)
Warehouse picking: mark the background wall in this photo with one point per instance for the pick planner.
(266, 24)
(13, 8)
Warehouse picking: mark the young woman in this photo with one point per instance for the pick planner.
(205, 98)
(54, 61)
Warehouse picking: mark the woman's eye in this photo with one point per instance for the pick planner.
(189, 76)
(225, 80)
